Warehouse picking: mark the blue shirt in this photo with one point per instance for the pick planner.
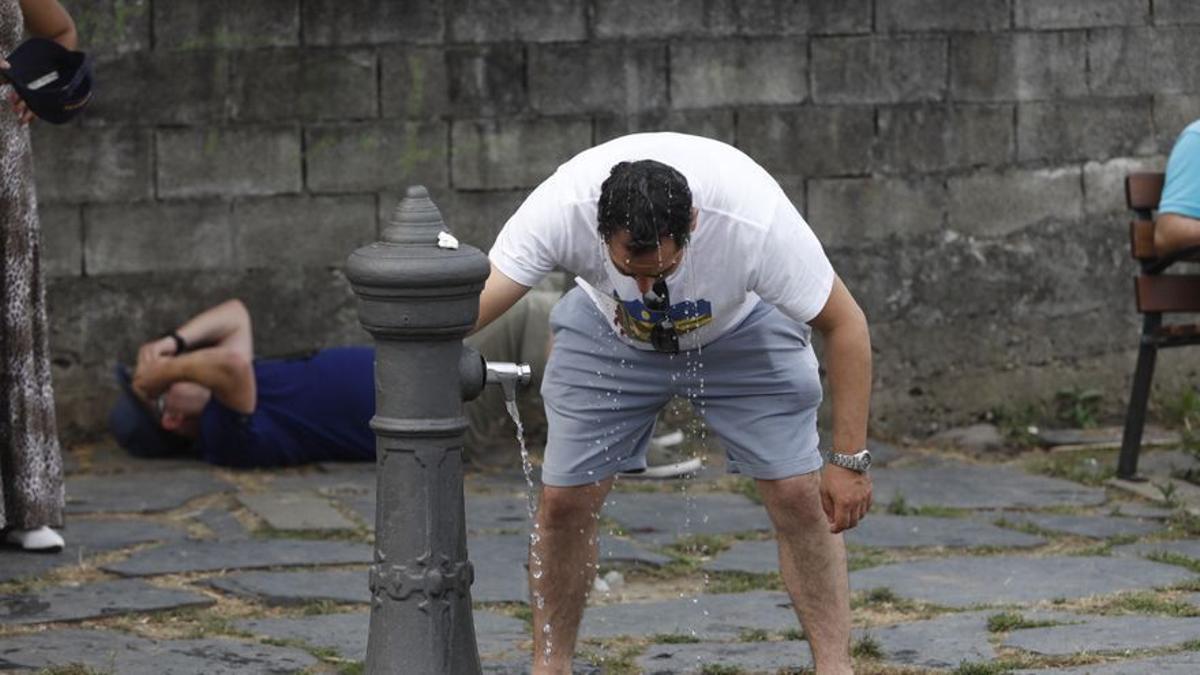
(1181, 192)
(311, 409)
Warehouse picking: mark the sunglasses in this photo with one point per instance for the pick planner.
(663, 336)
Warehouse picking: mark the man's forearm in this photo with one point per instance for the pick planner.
(848, 364)
(225, 325)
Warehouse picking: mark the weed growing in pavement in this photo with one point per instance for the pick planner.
(1077, 407)
(1006, 621)
(1172, 558)
(674, 639)
(867, 647)
(1183, 412)
(356, 668)
(717, 669)
(1018, 425)
(74, 669)
(1148, 603)
(984, 668)
(740, 582)
(754, 635)
(1090, 467)
(701, 545)
(862, 558)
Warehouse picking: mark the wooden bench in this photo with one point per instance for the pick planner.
(1157, 293)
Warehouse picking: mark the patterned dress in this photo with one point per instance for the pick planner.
(31, 481)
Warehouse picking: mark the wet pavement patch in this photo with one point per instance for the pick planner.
(140, 492)
(207, 556)
(966, 581)
(116, 652)
(706, 617)
(705, 657)
(99, 599)
(970, 486)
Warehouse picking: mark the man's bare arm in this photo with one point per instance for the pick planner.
(1174, 231)
(846, 495)
(47, 19)
(499, 294)
(226, 371)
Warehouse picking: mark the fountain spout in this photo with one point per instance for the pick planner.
(509, 377)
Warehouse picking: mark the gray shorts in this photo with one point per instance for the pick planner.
(757, 387)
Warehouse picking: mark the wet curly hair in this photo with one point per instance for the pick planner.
(648, 199)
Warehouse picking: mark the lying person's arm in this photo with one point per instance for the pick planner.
(224, 370)
(226, 325)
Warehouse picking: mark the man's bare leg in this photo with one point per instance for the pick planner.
(813, 564)
(562, 564)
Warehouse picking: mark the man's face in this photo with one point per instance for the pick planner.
(648, 266)
(182, 404)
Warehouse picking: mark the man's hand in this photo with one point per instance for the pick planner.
(154, 350)
(845, 495)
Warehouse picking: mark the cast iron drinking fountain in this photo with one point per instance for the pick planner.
(418, 292)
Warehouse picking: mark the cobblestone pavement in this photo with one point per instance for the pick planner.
(1031, 564)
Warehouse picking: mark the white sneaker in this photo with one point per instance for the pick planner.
(668, 440)
(41, 540)
(665, 461)
(675, 470)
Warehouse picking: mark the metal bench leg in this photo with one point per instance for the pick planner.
(1135, 417)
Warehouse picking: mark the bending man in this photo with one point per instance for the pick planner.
(698, 278)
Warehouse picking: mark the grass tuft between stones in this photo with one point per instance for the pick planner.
(1006, 621)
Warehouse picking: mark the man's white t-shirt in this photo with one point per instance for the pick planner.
(749, 242)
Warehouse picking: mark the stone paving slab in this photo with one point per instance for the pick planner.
(888, 531)
(972, 486)
(942, 642)
(1141, 510)
(140, 492)
(114, 652)
(707, 617)
(496, 634)
(1097, 527)
(1106, 634)
(296, 510)
(1183, 663)
(704, 657)
(85, 538)
(362, 504)
(1185, 547)
(967, 581)
(486, 513)
(207, 556)
(223, 525)
(87, 601)
(661, 518)
(290, 588)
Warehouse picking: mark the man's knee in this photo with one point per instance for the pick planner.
(571, 506)
(794, 503)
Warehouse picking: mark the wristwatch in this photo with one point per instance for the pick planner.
(859, 461)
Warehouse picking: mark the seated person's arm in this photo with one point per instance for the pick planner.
(224, 370)
(1173, 231)
(499, 294)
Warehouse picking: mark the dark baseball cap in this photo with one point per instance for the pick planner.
(55, 82)
(135, 426)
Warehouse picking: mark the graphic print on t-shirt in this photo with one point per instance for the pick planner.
(637, 321)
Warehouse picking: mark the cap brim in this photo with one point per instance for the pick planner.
(135, 428)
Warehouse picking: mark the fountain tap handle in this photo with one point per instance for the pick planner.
(510, 377)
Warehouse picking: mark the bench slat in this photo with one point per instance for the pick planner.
(1141, 239)
(1168, 293)
(1142, 190)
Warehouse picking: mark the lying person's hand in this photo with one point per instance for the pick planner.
(154, 350)
(845, 496)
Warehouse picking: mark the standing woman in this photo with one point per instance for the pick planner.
(31, 474)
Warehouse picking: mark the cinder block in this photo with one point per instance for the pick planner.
(712, 74)
(925, 138)
(814, 17)
(228, 161)
(348, 22)
(992, 204)
(306, 84)
(318, 231)
(107, 27)
(78, 164)
(795, 187)
(488, 80)
(156, 236)
(665, 19)
(61, 240)
(189, 87)
(941, 15)
(377, 156)
(716, 124)
(809, 141)
(1040, 14)
(503, 154)
(1104, 182)
(516, 20)
(600, 77)
(878, 70)
(853, 211)
(1020, 66)
(1084, 129)
(1173, 112)
(1126, 61)
(413, 82)
(1170, 12)
(226, 24)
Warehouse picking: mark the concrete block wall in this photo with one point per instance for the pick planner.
(961, 161)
